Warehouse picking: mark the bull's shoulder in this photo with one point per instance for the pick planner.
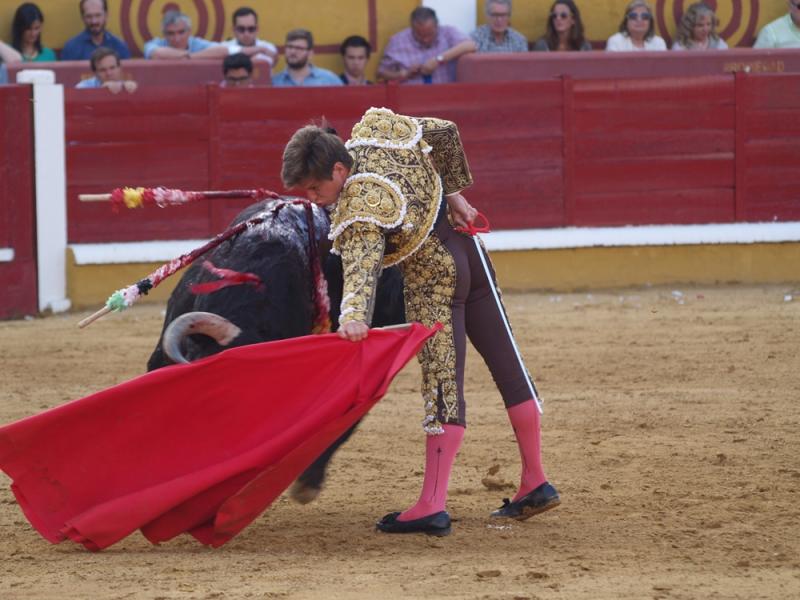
(369, 198)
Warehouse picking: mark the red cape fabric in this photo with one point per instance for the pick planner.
(202, 448)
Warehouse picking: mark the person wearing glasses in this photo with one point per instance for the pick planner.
(245, 40)
(178, 41)
(783, 32)
(237, 71)
(637, 31)
(299, 71)
(564, 30)
(698, 30)
(496, 35)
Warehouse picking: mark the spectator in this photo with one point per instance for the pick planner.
(425, 52)
(95, 15)
(7, 55)
(237, 71)
(698, 30)
(107, 73)
(178, 41)
(637, 30)
(783, 32)
(564, 29)
(245, 40)
(497, 36)
(299, 71)
(26, 34)
(355, 52)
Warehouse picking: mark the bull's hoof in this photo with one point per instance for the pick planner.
(304, 493)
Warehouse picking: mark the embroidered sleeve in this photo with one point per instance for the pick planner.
(368, 198)
(361, 246)
(448, 153)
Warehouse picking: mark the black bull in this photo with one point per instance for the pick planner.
(282, 307)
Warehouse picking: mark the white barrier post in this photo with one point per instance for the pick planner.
(51, 188)
(458, 13)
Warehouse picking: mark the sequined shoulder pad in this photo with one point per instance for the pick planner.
(368, 198)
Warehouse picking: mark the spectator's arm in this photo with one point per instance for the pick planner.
(251, 51)
(8, 54)
(459, 49)
(215, 51)
(167, 52)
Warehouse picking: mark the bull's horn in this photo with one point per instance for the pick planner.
(219, 328)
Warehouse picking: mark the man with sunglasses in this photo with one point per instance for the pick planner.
(245, 40)
(783, 32)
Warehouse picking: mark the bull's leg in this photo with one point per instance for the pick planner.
(308, 486)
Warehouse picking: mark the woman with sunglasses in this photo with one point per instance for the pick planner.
(564, 29)
(698, 30)
(26, 34)
(637, 31)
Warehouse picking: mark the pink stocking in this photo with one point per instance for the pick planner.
(440, 452)
(524, 419)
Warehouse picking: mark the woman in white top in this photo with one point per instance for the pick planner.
(698, 30)
(637, 31)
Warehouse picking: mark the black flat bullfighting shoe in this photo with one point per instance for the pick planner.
(437, 524)
(538, 501)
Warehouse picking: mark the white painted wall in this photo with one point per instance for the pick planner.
(458, 13)
(51, 188)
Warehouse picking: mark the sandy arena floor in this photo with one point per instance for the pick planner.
(672, 430)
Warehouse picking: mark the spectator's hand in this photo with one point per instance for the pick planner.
(462, 212)
(429, 66)
(130, 86)
(115, 87)
(410, 72)
(354, 331)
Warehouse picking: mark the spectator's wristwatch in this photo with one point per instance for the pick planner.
(440, 59)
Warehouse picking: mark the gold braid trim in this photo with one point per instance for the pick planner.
(448, 153)
(430, 281)
(361, 247)
(368, 198)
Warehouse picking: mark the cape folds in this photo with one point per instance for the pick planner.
(202, 448)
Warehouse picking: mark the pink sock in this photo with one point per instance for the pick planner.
(440, 452)
(525, 421)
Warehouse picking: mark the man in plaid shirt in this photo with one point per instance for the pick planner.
(426, 52)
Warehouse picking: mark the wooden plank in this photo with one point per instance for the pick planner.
(774, 91)
(648, 175)
(645, 119)
(663, 92)
(773, 123)
(17, 203)
(653, 144)
(678, 207)
(742, 106)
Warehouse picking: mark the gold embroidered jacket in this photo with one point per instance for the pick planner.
(389, 203)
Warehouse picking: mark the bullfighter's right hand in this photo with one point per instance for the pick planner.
(355, 331)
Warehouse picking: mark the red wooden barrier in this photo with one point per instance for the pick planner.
(532, 66)
(147, 73)
(17, 227)
(544, 153)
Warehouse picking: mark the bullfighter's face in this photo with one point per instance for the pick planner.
(324, 192)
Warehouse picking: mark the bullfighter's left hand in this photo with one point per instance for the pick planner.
(355, 331)
(462, 212)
